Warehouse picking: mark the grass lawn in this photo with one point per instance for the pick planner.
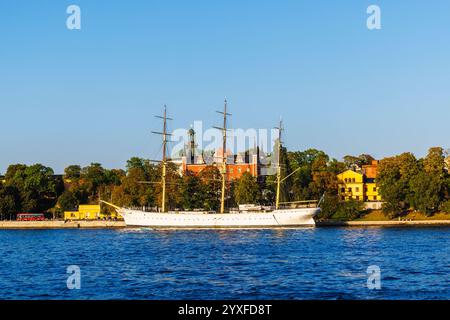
(377, 215)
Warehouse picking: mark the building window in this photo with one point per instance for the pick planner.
(345, 180)
(374, 197)
(342, 190)
(374, 189)
(357, 197)
(349, 189)
(353, 179)
(357, 189)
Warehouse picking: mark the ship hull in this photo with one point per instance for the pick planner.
(285, 218)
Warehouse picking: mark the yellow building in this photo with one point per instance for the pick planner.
(351, 185)
(371, 192)
(360, 186)
(88, 212)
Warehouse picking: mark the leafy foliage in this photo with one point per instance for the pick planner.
(36, 186)
(9, 201)
(404, 183)
(247, 190)
(407, 183)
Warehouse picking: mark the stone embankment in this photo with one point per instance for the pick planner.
(57, 224)
(390, 223)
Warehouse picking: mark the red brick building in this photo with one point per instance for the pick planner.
(370, 170)
(236, 164)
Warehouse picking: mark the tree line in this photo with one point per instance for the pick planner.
(405, 183)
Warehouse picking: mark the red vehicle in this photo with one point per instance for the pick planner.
(30, 217)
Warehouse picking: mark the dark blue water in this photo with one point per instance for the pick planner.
(320, 263)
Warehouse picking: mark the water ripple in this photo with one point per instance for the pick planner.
(311, 263)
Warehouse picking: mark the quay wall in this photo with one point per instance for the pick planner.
(391, 223)
(99, 224)
(56, 224)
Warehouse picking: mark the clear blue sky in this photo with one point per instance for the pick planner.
(75, 97)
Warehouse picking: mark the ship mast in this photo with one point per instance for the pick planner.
(164, 157)
(280, 128)
(224, 155)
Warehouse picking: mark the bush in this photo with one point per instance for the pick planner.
(329, 207)
(349, 210)
(67, 201)
(332, 208)
(445, 206)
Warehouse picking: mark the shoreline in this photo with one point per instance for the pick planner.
(382, 223)
(99, 224)
(59, 224)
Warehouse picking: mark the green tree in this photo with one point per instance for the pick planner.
(268, 190)
(136, 162)
(428, 185)
(114, 176)
(425, 189)
(394, 176)
(93, 176)
(192, 191)
(434, 162)
(173, 182)
(67, 201)
(323, 179)
(349, 210)
(72, 172)
(329, 206)
(36, 184)
(365, 159)
(132, 192)
(315, 174)
(246, 190)
(354, 163)
(211, 179)
(286, 187)
(351, 162)
(445, 206)
(9, 202)
(81, 193)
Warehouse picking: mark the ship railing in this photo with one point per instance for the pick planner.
(145, 209)
(299, 204)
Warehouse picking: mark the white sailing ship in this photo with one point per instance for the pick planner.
(282, 215)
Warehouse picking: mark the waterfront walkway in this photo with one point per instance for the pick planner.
(100, 224)
(56, 224)
(389, 223)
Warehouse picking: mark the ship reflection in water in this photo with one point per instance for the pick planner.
(306, 263)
